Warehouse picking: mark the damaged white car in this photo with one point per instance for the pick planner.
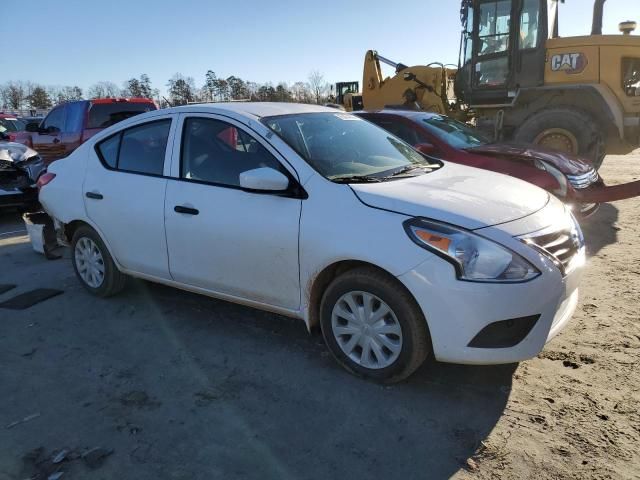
(320, 215)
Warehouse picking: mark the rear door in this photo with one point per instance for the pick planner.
(124, 191)
(221, 237)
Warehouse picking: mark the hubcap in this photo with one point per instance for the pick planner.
(558, 139)
(366, 330)
(89, 262)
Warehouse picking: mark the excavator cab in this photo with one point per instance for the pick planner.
(502, 49)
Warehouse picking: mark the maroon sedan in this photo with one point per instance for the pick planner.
(572, 179)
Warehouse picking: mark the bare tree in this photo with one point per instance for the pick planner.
(317, 85)
(104, 89)
(13, 95)
(301, 93)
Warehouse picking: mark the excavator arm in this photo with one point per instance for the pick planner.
(419, 87)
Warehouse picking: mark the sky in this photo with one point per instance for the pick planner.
(81, 42)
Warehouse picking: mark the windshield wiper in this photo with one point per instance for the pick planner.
(356, 179)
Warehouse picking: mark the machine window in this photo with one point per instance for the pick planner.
(217, 152)
(631, 76)
(468, 36)
(529, 24)
(494, 27)
(491, 73)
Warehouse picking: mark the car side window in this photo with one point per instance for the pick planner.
(55, 120)
(217, 152)
(139, 149)
(400, 130)
(108, 150)
(75, 116)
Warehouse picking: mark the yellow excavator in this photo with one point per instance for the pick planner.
(517, 79)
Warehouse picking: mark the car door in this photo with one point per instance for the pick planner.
(219, 236)
(124, 191)
(47, 141)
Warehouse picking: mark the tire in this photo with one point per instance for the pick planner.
(587, 135)
(111, 281)
(404, 328)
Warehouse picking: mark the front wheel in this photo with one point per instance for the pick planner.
(373, 326)
(567, 130)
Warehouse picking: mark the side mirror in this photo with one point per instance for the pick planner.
(33, 127)
(4, 136)
(426, 148)
(264, 179)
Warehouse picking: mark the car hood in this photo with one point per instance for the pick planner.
(15, 152)
(465, 196)
(565, 162)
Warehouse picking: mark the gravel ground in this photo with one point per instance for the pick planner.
(158, 383)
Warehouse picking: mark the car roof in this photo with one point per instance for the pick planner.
(413, 114)
(254, 109)
(121, 99)
(244, 112)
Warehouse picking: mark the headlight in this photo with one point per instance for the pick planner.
(475, 258)
(555, 173)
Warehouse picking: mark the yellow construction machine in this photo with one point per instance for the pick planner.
(518, 80)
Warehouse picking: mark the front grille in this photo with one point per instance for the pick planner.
(561, 246)
(585, 180)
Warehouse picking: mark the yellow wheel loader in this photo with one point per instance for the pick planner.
(518, 80)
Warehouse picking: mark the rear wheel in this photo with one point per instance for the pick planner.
(93, 264)
(567, 130)
(373, 326)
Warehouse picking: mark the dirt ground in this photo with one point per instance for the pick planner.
(160, 384)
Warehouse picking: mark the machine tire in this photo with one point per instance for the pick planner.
(586, 132)
(415, 341)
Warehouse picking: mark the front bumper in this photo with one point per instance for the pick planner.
(456, 311)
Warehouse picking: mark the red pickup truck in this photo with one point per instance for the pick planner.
(70, 124)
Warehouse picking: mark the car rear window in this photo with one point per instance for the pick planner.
(103, 115)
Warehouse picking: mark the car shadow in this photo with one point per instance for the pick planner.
(599, 229)
(287, 410)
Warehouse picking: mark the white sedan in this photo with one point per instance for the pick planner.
(320, 215)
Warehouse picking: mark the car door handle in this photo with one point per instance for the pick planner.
(94, 195)
(56, 140)
(187, 210)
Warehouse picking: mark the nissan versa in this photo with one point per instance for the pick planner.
(323, 216)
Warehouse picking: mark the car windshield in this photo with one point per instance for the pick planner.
(11, 125)
(342, 146)
(454, 133)
(103, 115)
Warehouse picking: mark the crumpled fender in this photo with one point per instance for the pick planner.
(612, 193)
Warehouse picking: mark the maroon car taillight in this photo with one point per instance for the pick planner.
(44, 179)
